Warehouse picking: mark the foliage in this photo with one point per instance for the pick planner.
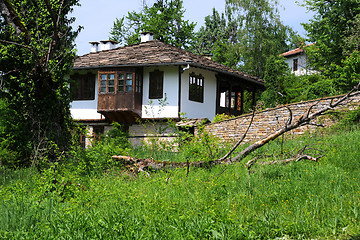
(321, 89)
(202, 147)
(304, 200)
(219, 38)
(331, 29)
(350, 118)
(348, 73)
(276, 73)
(10, 142)
(352, 41)
(115, 142)
(222, 117)
(164, 19)
(36, 48)
(261, 33)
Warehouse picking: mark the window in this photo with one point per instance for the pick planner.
(125, 82)
(295, 64)
(107, 83)
(83, 87)
(115, 82)
(156, 84)
(138, 82)
(196, 88)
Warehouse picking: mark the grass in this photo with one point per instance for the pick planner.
(302, 200)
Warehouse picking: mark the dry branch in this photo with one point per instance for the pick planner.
(298, 159)
(139, 165)
(302, 121)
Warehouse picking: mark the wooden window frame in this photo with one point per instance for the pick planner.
(295, 64)
(196, 87)
(126, 88)
(83, 87)
(156, 84)
(107, 85)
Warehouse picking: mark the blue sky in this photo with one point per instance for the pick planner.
(97, 17)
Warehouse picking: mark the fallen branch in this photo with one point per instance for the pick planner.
(298, 159)
(240, 140)
(139, 165)
(302, 121)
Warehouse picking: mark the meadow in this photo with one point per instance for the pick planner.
(299, 200)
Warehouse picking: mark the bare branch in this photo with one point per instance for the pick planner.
(144, 164)
(290, 116)
(316, 125)
(298, 159)
(240, 140)
(312, 106)
(304, 120)
(17, 44)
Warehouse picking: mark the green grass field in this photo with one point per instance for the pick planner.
(300, 200)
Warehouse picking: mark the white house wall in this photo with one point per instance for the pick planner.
(302, 64)
(193, 109)
(153, 108)
(86, 109)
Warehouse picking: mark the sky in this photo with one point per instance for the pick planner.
(97, 17)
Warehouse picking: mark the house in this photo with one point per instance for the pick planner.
(153, 80)
(298, 61)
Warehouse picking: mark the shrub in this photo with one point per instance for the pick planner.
(114, 142)
(222, 117)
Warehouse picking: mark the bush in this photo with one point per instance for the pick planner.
(222, 117)
(321, 89)
(115, 142)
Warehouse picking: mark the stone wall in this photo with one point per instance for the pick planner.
(269, 120)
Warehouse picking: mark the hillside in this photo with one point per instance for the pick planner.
(300, 200)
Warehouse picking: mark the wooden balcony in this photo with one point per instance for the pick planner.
(120, 107)
(120, 95)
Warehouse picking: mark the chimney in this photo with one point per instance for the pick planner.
(146, 36)
(107, 45)
(94, 47)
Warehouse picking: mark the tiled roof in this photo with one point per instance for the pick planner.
(154, 53)
(295, 51)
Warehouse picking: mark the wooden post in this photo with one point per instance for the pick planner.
(242, 101)
(253, 98)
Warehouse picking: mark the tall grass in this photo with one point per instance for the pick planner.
(302, 200)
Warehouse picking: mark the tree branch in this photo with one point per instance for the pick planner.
(144, 164)
(17, 44)
(240, 140)
(12, 18)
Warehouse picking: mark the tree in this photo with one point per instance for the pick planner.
(218, 38)
(164, 19)
(276, 73)
(261, 33)
(36, 48)
(331, 30)
(352, 41)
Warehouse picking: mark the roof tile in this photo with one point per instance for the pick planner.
(152, 53)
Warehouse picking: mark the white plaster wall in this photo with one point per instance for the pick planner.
(152, 108)
(193, 109)
(86, 109)
(302, 64)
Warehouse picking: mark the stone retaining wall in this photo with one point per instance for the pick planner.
(269, 120)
